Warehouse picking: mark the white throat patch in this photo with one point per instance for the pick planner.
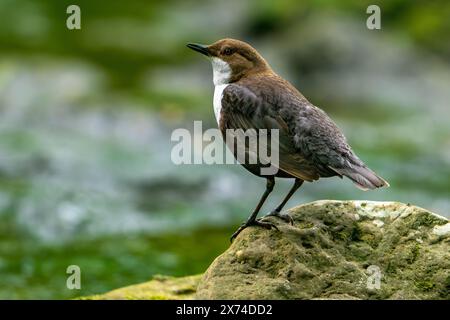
(221, 71)
(221, 78)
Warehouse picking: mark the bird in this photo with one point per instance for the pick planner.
(248, 94)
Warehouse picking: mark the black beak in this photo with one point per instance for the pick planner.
(199, 48)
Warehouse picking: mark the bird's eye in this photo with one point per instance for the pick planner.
(227, 51)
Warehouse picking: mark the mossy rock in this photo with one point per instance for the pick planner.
(337, 250)
(159, 288)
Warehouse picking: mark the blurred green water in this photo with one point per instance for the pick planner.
(86, 117)
(34, 271)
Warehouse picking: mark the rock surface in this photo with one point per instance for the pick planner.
(159, 288)
(337, 250)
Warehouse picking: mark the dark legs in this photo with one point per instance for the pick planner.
(277, 211)
(251, 221)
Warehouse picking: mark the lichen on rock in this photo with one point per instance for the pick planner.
(337, 250)
(159, 288)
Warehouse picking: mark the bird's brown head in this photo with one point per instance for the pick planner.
(231, 60)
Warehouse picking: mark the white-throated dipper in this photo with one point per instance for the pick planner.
(249, 95)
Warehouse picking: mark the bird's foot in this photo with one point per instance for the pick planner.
(283, 216)
(266, 225)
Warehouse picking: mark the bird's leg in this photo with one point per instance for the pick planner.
(251, 221)
(277, 211)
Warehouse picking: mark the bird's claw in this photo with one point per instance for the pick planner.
(266, 225)
(283, 216)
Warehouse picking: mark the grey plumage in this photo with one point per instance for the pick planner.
(311, 144)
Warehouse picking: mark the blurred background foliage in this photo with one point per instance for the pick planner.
(86, 118)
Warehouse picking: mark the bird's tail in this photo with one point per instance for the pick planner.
(363, 177)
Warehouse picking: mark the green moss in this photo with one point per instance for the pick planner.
(424, 284)
(360, 252)
(426, 219)
(156, 297)
(159, 288)
(415, 250)
(370, 239)
(445, 290)
(304, 224)
(390, 268)
(352, 233)
(356, 233)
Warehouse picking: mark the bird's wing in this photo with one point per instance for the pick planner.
(311, 145)
(321, 141)
(242, 109)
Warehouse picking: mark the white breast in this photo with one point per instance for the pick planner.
(217, 102)
(221, 78)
